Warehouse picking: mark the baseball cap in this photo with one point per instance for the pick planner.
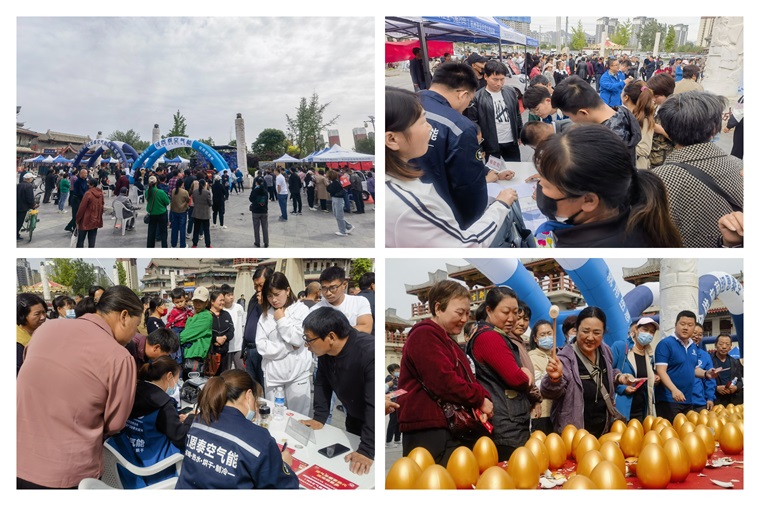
(152, 180)
(475, 58)
(28, 175)
(645, 320)
(201, 294)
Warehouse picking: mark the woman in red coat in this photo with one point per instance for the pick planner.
(432, 358)
(90, 214)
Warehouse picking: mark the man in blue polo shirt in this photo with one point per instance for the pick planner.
(454, 161)
(676, 361)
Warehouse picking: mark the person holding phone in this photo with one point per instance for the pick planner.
(637, 400)
(246, 455)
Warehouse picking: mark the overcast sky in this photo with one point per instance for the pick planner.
(549, 24)
(415, 271)
(84, 75)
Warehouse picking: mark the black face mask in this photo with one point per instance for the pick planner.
(548, 206)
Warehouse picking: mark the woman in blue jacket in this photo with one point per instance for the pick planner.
(224, 448)
(635, 356)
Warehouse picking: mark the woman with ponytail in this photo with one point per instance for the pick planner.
(246, 455)
(155, 430)
(639, 99)
(593, 196)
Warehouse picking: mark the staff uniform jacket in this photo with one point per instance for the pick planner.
(432, 356)
(280, 344)
(704, 389)
(453, 162)
(417, 216)
(153, 433)
(351, 375)
(202, 204)
(625, 360)
(233, 453)
(694, 207)
(482, 114)
(90, 213)
(610, 88)
(76, 388)
(567, 393)
(196, 338)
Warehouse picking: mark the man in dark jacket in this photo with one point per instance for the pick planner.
(356, 191)
(78, 189)
(347, 367)
(50, 182)
(24, 201)
(417, 69)
(579, 102)
(497, 113)
(294, 185)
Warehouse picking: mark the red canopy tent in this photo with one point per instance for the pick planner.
(400, 51)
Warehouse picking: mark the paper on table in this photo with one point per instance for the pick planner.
(524, 190)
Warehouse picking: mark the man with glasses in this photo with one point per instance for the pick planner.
(497, 113)
(453, 162)
(355, 308)
(347, 369)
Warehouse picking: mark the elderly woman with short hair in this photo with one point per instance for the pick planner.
(703, 181)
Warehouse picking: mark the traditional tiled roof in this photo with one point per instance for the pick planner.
(64, 137)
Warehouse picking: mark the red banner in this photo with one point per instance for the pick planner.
(400, 51)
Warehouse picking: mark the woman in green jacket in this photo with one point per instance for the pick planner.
(158, 223)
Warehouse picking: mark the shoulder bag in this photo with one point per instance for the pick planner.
(596, 373)
(710, 183)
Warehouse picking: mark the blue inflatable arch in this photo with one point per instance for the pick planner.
(101, 145)
(154, 152)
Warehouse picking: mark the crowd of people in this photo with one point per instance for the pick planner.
(617, 166)
(520, 386)
(132, 357)
(184, 206)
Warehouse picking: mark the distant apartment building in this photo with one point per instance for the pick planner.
(130, 268)
(704, 34)
(359, 133)
(681, 32)
(638, 23)
(519, 24)
(333, 137)
(605, 25)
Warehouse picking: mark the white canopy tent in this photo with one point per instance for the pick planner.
(336, 153)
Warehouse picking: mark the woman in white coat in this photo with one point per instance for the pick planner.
(279, 340)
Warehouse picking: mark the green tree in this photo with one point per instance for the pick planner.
(366, 146)
(360, 266)
(305, 128)
(670, 40)
(270, 144)
(578, 40)
(623, 33)
(74, 273)
(129, 137)
(293, 150)
(122, 273)
(179, 129)
(648, 33)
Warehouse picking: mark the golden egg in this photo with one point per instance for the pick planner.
(731, 439)
(732, 417)
(685, 428)
(661, 423)
(678, 460)
(495, 478)
(618, 426)
(539, 434)
(704, 411)
(612, 453)
(653, 469)
(613, 437)
(523, 468)
(568, 434)
(422, 457)
(588, 443)
(631, 442)
(692, 416)
(648, 422)
(668, 432)
(634, 422)
(538, 449)
(706, 435)
(716, 426)
(679, 420)
(740, 424)
(696, 450)
(557, 451)
(651, 437)
(463, 467)
(403, 474)
(702, 418)
(579, 482)
(485, 453)
(607, 476)
(435, 477)
(579, 434)
(588, 462)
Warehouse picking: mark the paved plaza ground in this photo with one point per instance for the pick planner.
(308, 230)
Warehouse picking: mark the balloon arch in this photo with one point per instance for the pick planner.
(120, 150)
(156, 150)
(594, 280)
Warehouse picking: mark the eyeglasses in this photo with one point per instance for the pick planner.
(307, 340)
(331, 288)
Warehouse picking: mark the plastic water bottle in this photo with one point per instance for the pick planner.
(279, 404)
